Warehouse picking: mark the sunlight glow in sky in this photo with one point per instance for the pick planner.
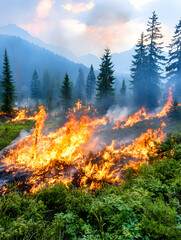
(77, 8)
(91, 25)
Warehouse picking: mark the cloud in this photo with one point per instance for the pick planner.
(72, 25)
(44, 7)
(77, 8)
(17, 11)
(107, 13)
(91, 25)
(35, 28)
(139, 4)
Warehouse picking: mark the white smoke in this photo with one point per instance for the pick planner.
(23, 134)
(116, 113)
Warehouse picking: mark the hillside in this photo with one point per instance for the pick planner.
(121, 61)
(25, 57)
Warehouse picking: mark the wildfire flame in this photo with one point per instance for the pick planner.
(22, 115)
(142, 115)
(74, 153)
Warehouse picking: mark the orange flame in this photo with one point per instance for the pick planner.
(59, 156)
(142, 115)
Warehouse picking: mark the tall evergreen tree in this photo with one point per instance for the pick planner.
(66, 93)
(80, 85)
(45, 86)
(8, 88)
(174, 61)
(123, 94)
(90, 86)
(35, 87)
(105, 82)
(155, 60)
(47, 90)
(139, 74)
(123, 88)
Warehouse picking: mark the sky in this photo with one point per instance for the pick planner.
(90, 26)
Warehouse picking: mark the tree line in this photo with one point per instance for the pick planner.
(147, 72)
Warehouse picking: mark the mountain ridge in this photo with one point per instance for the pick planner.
(121, 61)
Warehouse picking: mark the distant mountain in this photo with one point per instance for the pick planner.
(121, 61)
(25, 57)
(14, 30)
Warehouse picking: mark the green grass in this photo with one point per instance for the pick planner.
(9, 131)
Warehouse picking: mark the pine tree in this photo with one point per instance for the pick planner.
(139, 74)
(123, 88)
(105, 82)
(123, 94)
(35, 87)
(155, 60)
(47, 90)
(174, 61)
(174, 113)
(90, 86)
(45, 85)
(80, 85)
(66, 93)
(8, 88)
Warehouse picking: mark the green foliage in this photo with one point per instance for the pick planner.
(53, 198)
(123, 94)
(146, 66)
(159, 221)
(105, 82)
(47, 90)
(175, 111)
(155, 61)
(80, 85)
(139, 73)
(78, 202)
(90, 86)
(35, 86)
(66, 93)
(123, 88)
(9, 131)
(8, 88)
(174, 60)
(21, 217)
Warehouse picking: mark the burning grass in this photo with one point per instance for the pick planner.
(145, 206)
(64, 155)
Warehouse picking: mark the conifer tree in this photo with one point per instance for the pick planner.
(45, 85)
(66, 93)
(105, 82)
(80, 85)
(155, 60)
(35, 87)
(47, 90)
(123, 88)
(8, 88)
(174, 61)
(123, 94)
(139, 74)
(90, 86)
